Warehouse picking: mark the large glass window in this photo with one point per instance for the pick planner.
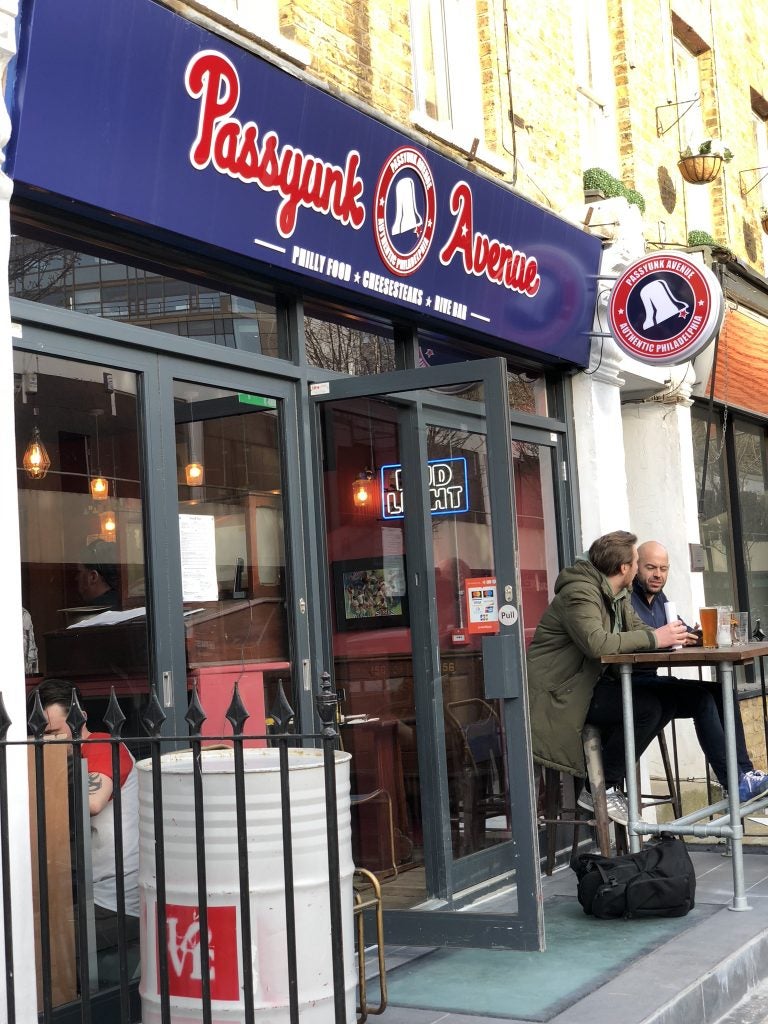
(62, 277)
(750, 451)
(81, 519)
(708, 444)
(230, 491)
(347, 347)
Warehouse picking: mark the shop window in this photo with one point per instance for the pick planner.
(751, 476)
(56, 276)
(446, 69)
(715, 532)
(595, 85)
(347, 347)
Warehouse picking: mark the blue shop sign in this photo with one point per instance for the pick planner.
(142, 116)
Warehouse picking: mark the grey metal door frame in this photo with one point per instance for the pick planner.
(502, 657)
(77, 337)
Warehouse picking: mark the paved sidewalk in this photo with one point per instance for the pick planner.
(699, 975)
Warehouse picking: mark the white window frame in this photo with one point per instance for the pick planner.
(455, 50)
(761, 148)
(595, 85)
(698, 202)
(259, 18)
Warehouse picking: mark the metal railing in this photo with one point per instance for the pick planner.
(123, 995)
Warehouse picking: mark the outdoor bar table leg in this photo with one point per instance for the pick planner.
(629, 748)
(732, 769)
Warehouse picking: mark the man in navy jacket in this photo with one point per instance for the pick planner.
(703, 702)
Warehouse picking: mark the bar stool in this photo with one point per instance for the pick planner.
(576, 817)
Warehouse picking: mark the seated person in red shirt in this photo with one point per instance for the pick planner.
(56, 699)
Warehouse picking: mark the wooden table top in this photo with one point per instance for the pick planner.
(738, 653)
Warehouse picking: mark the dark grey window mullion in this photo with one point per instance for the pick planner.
(433, 770)
(164, 595)
(299, 511)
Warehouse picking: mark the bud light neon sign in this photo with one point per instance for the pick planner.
(448, 488)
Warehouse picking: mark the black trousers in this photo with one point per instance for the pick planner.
(605, 712)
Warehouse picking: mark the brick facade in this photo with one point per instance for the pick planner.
(362, 50)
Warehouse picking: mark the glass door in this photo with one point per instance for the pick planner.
(154, 554)
(427, 651)
(229, 485)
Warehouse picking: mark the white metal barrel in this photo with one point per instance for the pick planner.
(314, 952)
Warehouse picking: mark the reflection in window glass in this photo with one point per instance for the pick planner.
(61, 277)
(348, 349)
(84, 619)
(232, 550)
(714, 515)
(749, 444)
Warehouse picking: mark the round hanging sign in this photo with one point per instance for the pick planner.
(665, 308)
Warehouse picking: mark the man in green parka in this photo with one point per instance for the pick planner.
(591, 615)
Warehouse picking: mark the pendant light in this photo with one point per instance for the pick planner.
(107, 525)
(36, 461)
(194, 472)
(363, 486)
(98, 484)
(362, 489)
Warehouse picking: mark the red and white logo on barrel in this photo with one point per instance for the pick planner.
(404, 207)
(665, 308)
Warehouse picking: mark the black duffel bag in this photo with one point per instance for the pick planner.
(658, 881)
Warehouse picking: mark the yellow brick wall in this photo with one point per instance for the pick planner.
(361, 48)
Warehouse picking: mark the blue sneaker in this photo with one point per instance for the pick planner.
(752, 784)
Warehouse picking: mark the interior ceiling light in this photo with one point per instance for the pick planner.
(36, 461)
(362, 489)
(98, 484)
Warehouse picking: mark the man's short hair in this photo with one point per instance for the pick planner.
(100, 555)
(56, 691)
(609, 552)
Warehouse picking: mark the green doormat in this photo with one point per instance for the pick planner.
(582, 954)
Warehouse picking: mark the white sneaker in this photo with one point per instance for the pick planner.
(618, 809)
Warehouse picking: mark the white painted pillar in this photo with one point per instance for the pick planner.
(12, 683)
(663, 499)
(661, 485)
(602, 490)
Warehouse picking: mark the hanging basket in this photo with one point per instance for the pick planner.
(700, 169)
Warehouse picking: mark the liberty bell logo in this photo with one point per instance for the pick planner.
(660, 304)
(407, 217)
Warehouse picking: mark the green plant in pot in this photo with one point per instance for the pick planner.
(596, 179)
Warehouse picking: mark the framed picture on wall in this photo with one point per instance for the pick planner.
(370, 593)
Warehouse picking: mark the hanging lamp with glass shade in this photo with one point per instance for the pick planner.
(108, 525)
(194, 471)
(36, 461)
(362, 489)
(98, 484)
